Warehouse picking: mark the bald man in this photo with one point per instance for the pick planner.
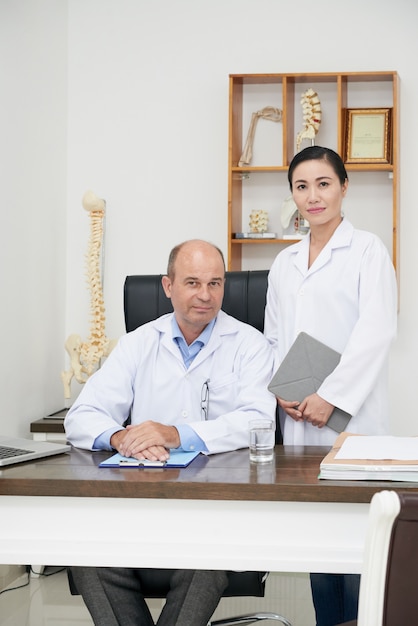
(191, 380)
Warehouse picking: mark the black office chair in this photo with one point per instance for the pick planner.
(245, 298)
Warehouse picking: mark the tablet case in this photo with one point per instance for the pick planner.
(302, 372)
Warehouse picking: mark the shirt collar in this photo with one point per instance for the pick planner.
(188, 353)
(204, 336)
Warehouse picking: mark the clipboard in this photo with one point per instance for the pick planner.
(303, 371)
(178, 458)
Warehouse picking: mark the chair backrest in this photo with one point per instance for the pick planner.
(389, 582)
(245, 298)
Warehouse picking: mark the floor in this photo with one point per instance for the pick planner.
(46, 601)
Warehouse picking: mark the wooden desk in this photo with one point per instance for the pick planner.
(220, 512)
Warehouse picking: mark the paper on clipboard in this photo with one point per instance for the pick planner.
(178, 458)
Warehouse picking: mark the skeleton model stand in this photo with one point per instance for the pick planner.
(85, 357)
(312, 116)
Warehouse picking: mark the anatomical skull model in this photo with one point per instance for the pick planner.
(312, 116)
(85, 356)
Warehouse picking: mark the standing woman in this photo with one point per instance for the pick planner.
(338, 284)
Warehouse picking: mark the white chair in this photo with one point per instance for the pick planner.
(389, 580)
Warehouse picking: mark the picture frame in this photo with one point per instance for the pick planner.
(368, 136)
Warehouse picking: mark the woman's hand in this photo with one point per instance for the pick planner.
(312, 409)
(316, 410)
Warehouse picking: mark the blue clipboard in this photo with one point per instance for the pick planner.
(178, 458)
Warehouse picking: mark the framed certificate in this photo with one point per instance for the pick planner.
(368, 137)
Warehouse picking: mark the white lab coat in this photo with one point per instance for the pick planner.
(145, 375)
(348, 300)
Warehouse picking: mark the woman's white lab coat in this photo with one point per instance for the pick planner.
(348, 300)
(145, 376)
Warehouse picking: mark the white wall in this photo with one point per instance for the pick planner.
(33, 189)
(145, 87)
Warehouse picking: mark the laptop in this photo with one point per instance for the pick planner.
(16, 450)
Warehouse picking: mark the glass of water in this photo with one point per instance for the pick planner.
(261, 440)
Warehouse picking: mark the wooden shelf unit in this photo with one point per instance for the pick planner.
(337, 93)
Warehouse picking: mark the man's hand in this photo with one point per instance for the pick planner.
(149, 440)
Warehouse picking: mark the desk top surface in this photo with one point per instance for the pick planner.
(293, 476)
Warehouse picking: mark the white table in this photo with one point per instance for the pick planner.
(271, 536)
(219, 513)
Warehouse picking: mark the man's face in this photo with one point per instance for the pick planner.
(197, 289)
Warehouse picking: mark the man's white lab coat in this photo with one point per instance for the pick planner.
(145, 376)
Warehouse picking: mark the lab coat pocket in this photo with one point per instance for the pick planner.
(222, 395)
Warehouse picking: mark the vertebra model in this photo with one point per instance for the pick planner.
(312, 116)
(85, 356)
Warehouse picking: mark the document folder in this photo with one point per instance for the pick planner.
(178, 458)
(371, 457)
(303, 371)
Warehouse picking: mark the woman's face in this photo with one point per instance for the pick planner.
(318, 192)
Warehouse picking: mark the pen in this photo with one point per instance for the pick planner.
(141, 462)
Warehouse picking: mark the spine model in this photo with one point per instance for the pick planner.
(312, 116)
(85, 357)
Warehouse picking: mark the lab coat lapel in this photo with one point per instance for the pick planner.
(163, 326)
(341, 238)
(225, 324)
(301, 255)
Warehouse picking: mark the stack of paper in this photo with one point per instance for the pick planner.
(372, 457)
